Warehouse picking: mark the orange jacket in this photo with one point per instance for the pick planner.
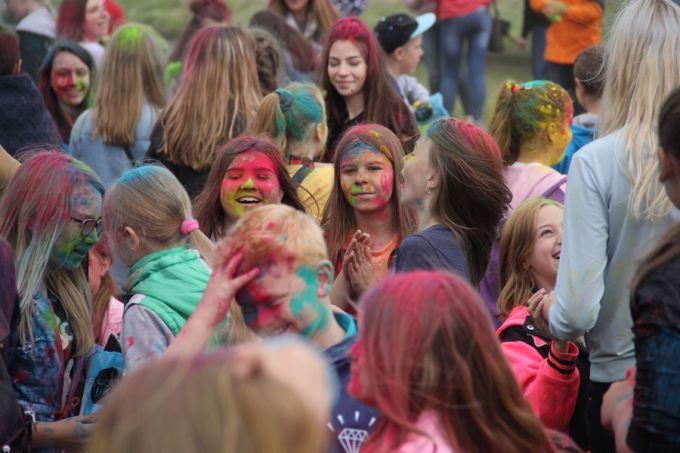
(580, 28)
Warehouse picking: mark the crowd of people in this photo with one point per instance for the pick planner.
(275, 238)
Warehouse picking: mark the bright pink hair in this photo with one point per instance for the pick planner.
(381, 103)
(429, 345)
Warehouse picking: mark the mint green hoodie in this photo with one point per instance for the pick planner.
(172, 282)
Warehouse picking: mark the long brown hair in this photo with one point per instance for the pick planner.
(216, 10)
(131, 75)
(381, 104)
(324, 11)
(217, 97)
(339, 220)
(472, 196)
(517, 242)
(429, 345)
(209, 211)
(101, 299)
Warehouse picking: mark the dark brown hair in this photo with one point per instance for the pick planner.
(208, 208)
(217, 10)
(472, 196)
(589, 70)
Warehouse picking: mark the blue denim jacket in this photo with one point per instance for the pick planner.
(38, 366)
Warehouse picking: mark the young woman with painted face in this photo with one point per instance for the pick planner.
(295, 117)
(85, 22)
(532, 126)
(114, 134)
(364, 219)
(216, 100)
(248, 172)
(51, 217)
(427, 358)
(151, 229)
(66, 79)
(553, 374)
(357, 88)
(312, 18)
(455, 233)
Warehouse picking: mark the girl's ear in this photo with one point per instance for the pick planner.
(551, 132)
(324, 277)
(433, 182)
(132, 238)
(668, 167)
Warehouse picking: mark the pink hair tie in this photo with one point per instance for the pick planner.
(189, 225)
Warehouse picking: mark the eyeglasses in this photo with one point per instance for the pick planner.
(89, 225)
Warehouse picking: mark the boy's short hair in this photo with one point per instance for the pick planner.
(277, 232)
(396, 30)
(589, 70)
(9, 52)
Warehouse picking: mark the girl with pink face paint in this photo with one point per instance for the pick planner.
(66, 77)
(248, 172)
(364, 218)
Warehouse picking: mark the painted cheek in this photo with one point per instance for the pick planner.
(387, 184)
(228, 194)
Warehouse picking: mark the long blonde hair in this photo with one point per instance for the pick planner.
(131, 75)
(35, 211)
(204, 404)
(217, 98)
(517, 242)
(641, 70)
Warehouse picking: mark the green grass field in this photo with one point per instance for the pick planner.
(169, 16)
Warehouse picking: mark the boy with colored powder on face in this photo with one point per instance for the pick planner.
(276, 265)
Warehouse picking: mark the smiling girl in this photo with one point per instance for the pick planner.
(66, 77)
(357, 88)
(51, 216)
(365, 199)
(248, 172)
(85, 22)
(552, 373)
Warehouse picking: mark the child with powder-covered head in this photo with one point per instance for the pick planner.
(531, 125)
(149, 223)
(274, 262)
(364, 219)
(248, 172)
(295, 117)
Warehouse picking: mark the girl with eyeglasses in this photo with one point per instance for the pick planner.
(51, 217)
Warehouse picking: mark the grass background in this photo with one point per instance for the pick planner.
(169, 16)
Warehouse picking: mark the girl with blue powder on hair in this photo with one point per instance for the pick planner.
(295, 117)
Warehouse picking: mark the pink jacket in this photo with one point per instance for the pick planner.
(550, 384)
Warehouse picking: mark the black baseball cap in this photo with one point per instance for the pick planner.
(398, 29)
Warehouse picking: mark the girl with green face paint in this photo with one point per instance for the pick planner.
(49, 216)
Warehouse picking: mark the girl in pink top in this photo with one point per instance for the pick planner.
(553, 374)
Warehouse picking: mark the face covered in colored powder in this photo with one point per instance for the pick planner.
(250, 181)
(283, 299)
(346, 68)
(70, 79)
(72, 245)
(366, 177)
(359, 381)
